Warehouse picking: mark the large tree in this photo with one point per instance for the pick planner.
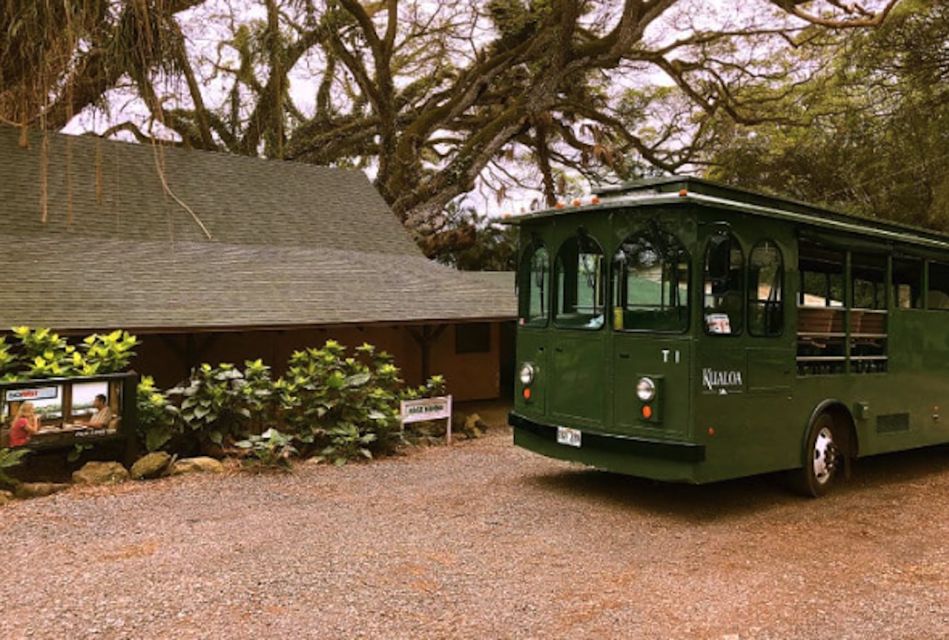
(434, 97)
(870, 132)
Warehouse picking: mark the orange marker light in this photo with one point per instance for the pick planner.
(594, 200)
(647, 411)
(559, 205)
(711, 431)
(576, 202)
(683, 193)
(527, 393)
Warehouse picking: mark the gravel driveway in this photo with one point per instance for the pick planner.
(482, 540)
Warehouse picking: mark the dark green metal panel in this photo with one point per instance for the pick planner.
(666, 360)
(578, 378)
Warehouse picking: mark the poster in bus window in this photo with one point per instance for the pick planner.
(718, 323)
(65, 412)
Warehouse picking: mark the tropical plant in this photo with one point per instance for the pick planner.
(10, 459)
(8, 361)
(158, 419)
(216, 402)
(109, 353)
(77, 450)
(347, 442)
(258, 393)
(45, 354)
(269, 449)
(349, 405)
(433, 387)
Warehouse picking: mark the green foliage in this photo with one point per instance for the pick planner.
(218, 403)
(433, 387)
(269, 449)
(45, 354)
(487, 246)
(347, 442)
(10, 459)
(158, 419)
(8, 361)
(347, 404)
(875, 125)
(78, 449)
(109, 353)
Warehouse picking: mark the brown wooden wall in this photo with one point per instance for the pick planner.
(471, 376)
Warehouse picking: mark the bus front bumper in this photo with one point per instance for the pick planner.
(646, 458)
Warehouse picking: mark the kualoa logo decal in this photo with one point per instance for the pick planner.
(721, 381)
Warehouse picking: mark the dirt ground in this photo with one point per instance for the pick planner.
(482, 540)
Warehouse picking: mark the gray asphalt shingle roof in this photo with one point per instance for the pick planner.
(292, 245)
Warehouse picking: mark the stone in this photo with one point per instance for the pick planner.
(100, 473)
(201, 464)
(152, 465)
(38, 489)
(5, 497)
(474, 426)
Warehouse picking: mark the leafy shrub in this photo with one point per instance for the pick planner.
(8, 361)
(158, 419)
(433, 387)
(42, 353)
(216, 402)
(347, 406)
(269, 449)
(109, 353)
(10, 459)
(45, 354)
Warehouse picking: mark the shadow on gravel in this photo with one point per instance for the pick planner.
(732, 498)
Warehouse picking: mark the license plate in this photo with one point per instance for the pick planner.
(569, 437)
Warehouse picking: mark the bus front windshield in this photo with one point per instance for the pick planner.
(651, 283)
(579, 277)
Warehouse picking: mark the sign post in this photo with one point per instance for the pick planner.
(425, 409)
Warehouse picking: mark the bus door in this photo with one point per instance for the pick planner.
(651, 345)
(577, 358)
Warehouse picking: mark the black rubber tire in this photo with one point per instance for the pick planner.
(806, 480)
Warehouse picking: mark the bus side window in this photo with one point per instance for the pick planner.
(908, 283)
(765, 290)
(938, 296)
(578, 277)
(535, 286)
(723, 287)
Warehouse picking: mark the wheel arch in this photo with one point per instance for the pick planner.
(843, 418)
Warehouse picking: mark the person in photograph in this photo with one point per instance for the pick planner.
(25, 424)
(103, 414)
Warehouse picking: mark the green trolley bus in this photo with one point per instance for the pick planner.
(685, 331)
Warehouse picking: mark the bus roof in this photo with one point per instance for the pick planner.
(681, 190)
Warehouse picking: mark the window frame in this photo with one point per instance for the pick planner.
(929, 283)
(782, 287)
(905, 259)
(615, 281)
(742, 286)
(580, 236)
(524, 294)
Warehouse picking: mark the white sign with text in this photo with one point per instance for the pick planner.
(425, 409)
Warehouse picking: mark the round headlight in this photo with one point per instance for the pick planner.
(646, 389)
(527, 373)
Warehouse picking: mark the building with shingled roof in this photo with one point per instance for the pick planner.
(221, 258)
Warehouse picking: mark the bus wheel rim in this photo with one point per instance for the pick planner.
(824, 455)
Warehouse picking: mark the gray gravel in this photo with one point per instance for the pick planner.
(482, 540)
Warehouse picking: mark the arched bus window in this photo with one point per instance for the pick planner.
(724, 293)
(651, 283)
(765, 290)
(534, 286)
(578, 275)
